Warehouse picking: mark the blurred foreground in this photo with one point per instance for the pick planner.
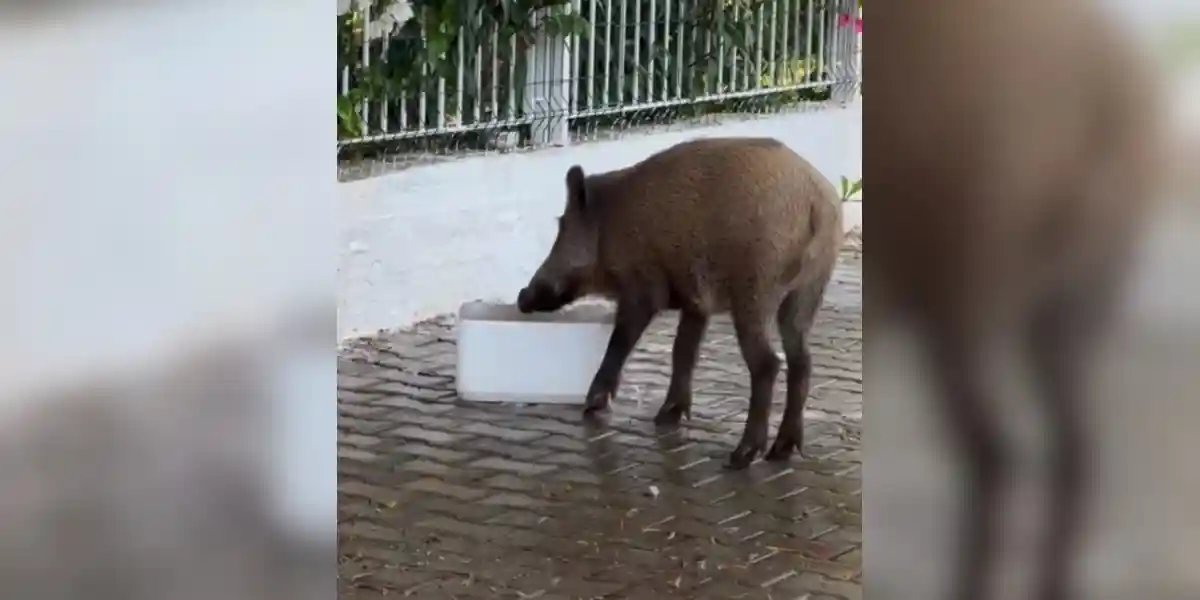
(167, 323)
(1145, 530)
(1142, 534)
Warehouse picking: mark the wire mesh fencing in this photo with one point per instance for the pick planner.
(427, 80)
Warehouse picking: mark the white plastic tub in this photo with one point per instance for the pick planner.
(545, 358)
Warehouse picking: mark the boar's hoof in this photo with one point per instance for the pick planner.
(784, 447)
(597, 402)
(743, 456)
(672, 412)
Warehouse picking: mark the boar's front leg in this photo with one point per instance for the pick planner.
(631, 322)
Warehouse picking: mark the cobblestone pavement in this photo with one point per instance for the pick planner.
(443, 499)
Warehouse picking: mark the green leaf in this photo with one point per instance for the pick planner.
(436, 45)
(850, 188)
(565, 24)
(350, 124)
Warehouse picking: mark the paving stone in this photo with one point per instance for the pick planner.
(443, 499)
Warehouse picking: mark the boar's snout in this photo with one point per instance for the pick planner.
(525, 300)
(541, 296)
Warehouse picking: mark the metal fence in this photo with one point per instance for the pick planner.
(513, 73)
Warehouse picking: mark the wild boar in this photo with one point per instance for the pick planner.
(1016, 157)
(738, 225)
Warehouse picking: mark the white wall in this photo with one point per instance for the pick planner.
(419, 242)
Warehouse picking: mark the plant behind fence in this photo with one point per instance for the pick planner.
(468, 72)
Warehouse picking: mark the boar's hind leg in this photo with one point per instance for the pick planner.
(1056, 351)
(963, 401)
(631, 322)
(1062, 333)
(751, 325)
(688, 337)
(795, 318)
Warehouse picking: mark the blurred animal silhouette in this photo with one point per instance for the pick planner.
(1016, 156)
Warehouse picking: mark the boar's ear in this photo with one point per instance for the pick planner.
(576, 190)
